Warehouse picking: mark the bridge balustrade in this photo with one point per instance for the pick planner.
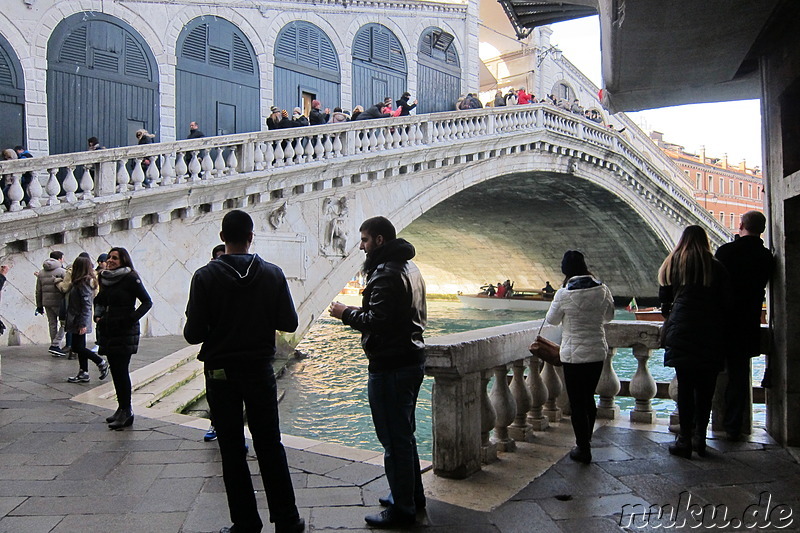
(87, 179)
(472, 423)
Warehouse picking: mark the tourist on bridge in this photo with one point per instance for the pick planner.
(80, 300)
(49, 299)
(117, 318)
(511, 97)
(499, 99)
(403, 106)
(376, 111)
(695, 298)
(582, 305)
(194, 131)
(391, 320)
(93, 143)
(316, 116)
(338, 116)
(299, 119)
(750, 266)
(236, 304)
(357, 110)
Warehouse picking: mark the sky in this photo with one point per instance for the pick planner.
(732, 128)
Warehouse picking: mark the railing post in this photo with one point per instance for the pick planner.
(520, 430)
(490, 121)
(536, 417)
(608, 388)
(643, 387)
(553, 383)
(106, 182)
(247, 157)
(488, 416)
(505, 408)
(456, 414)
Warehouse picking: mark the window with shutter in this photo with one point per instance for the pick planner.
(74, 48)
(135, 60)
(219, 58)
(242, 60)
(6, 72)
(102, 60)
(306, 45)
(194, 46)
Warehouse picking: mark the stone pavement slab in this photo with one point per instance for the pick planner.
(62, 470)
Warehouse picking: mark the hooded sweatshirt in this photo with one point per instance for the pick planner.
(236, 303)
(47, 295)
(393, 313)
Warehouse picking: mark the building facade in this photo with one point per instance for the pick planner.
(725, 190)
(73, 69)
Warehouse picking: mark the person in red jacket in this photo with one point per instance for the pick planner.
(523, 97)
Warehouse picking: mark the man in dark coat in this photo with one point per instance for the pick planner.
(316, 116)
(403, 105)
(236, 303)
(750, 266)
(391, 320)
(375, 111)
(194, 131)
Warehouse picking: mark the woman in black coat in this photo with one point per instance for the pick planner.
(694, 293)
(117, 320)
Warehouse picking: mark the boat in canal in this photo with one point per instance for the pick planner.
(520, 300)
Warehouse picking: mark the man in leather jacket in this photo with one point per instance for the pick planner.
(391, 320)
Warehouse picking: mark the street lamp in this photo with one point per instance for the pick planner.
(544, 53)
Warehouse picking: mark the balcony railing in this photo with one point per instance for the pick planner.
(472, 423)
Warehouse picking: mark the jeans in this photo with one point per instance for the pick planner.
(581, 381)
(121, 376)
(393, 400)
(84, 354)
(254, 387)
(695, 393)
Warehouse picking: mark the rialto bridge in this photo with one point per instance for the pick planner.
(525, 183)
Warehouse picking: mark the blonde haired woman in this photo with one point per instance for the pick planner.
(694, 297)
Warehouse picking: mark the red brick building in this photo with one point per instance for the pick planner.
(727, 191)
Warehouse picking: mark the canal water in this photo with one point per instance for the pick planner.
(326, 392)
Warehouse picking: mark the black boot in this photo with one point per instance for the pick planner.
(682, 447)
(124, 419)
(581, 454)
(113, 417)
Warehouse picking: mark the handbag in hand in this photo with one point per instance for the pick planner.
(545, 349)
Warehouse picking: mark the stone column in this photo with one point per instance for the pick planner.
(520, 430)
(456, 415)
(643, 387)
(553, 383)
(536, 417)
(608, 388)
(505, 409)
(488, 417)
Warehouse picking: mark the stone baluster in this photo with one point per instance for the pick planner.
(373, 141)
(674, 416)
(181, 168)
(520, 430)
(168, 169)
(643, 387)
(505, 409)
(280, 155)
(538, 391)
(123, 178)
(232, 162)
(207, 165)
(488, 417)
(381, 139)
(137, 176)
(194, 167)
(327, 147)
(404, 136)
(608, 388)
(288, 153)
(419, 135)
(563, 399)
(70, 185)
(258, 156)
(448, 131)
(16, 194)
(357, 141)
(53, 187)
(396, 136)
(153, 175)
(34, 192)
(87, 183)
(269, 155)
(219, 163)
(299, 151)
(337, 145)
(553, 383)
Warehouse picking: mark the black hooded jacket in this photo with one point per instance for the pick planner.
(236, 303)
(393, 313)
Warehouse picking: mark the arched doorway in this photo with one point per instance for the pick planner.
(217, 81)
(379, 65)
(438, 72)
(12, 98)
(306, 68)
(101, 82)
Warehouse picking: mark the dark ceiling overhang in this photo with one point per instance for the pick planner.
(659, 53)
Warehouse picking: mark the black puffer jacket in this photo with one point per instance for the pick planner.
(393, 313)
(697, 322)
(116, 313)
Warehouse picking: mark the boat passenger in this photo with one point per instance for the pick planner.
(548, 289)
(501, 290)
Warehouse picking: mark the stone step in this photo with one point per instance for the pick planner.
(189, 392)
(169, 381)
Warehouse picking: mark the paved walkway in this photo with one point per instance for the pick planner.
(62, 470)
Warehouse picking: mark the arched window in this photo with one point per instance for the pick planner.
(306, 67)
(379, 65)
(563, 91)
(12, 97)
(217, 81)
(101, 82)
(438, 72)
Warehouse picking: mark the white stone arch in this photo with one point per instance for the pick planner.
(190, 13)
(280, 21)
(38, 135)
(362, 20)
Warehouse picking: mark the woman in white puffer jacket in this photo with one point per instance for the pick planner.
(582, 306)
